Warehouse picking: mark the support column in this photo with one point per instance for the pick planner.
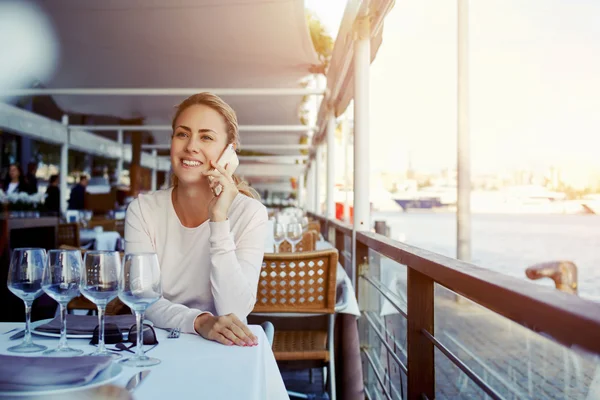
(362, 62)
(153, 181)
(64, 167)
(331, 167)
(120, 159)
(135, 169)
(347, 181)
(317, 174)
(310, 188)
(301, 191)
(463, 211)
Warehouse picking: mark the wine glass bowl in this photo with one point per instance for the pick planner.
(294, 234)
(25, 281)
(60, 281)
(139, 288)
(278, 235)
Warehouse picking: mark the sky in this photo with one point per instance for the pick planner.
(533, 75)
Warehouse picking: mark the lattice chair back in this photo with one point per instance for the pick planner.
(297, 282)
(68, 234)
(306, 244)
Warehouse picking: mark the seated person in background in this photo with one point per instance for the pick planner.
(77, 197)
(15, 181)
(210, 248)
(52, 202)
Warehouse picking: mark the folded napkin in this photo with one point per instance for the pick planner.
(37, 373)
(85, 324)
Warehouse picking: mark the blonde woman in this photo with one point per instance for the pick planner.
(210, 247)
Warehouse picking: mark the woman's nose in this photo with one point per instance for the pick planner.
(193, 145)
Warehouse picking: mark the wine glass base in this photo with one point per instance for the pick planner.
(63, 352)
(106, 353)
(140, 361)
(27, 348)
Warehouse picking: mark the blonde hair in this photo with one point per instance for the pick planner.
(216, 103)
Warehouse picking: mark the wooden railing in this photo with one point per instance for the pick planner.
(567, 319)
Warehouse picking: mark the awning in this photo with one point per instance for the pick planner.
(183, 44)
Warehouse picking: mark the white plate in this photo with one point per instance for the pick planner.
(108, 375)
(35, 324)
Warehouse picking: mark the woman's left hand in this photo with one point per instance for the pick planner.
(219, 205)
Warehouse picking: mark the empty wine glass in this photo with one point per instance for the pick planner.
(25, 281)
(294, 235)
(60, 281)
(139, 288)
(100, 284)
(278, 235)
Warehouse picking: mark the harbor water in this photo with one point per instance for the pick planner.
(509, 243)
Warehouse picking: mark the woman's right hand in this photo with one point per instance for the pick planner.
(226, 329)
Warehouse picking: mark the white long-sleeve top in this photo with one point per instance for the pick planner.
(212, 268)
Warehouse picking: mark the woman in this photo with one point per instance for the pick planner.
(15, 181)
(210, 247)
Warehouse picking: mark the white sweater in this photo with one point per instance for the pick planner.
(212, 268)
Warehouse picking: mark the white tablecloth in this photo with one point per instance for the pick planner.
(193, 367)
(106, 240)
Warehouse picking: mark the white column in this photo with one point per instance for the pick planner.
(362, 62)
(310, 188)
(331, 167)
(463, 212)
(64, 167)
(300, 191)
(317, 175)
(120, 159)
(347, 181)
(153, 177)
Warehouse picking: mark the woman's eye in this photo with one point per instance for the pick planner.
(180, 134)
(206, 137)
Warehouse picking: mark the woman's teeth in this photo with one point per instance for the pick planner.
(191, 163)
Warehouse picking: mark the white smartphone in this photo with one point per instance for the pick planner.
(228, 158)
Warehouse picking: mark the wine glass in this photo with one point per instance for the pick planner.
(294, 234)
(60, 281)
(25, 281)
(304, 224)
(278, 235)
(100, 284)
(139, 288)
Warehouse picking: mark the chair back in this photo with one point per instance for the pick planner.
(306, 244)
(314, 226)
(68, 234)
(297, 282)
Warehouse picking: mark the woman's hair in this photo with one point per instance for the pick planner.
(216, 103)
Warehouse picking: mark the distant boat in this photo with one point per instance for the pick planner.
(417, 200)
(591, 204)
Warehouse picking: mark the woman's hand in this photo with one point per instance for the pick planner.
(226, 329)
(219, 205)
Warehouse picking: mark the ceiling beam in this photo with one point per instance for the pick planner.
(241, 128)
(161, 91)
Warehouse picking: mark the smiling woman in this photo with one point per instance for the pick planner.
(210, 247)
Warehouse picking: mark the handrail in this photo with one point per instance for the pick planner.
(385, 292)
(568, 319)
(386, 344)
(379, 378)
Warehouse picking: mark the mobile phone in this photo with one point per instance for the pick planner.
(227, 158)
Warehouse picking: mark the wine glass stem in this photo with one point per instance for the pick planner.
(139, 318)
(27, 338)
(293, 247)
(101, 347)
(62, 343)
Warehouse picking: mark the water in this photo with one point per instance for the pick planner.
(27, 291)
(510, 243)
(100, 294)
(62, 293)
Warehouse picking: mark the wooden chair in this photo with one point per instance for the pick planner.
(314, 226)
(300, 285)
(68, 234)
(114, 307)
(307, 243)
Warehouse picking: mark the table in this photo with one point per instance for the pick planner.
(193, 367)
(105, 240)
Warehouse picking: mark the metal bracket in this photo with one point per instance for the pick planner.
(362, 27)
(363, 268)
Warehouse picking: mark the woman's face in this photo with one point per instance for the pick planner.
(200, 136)
(13, 172)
